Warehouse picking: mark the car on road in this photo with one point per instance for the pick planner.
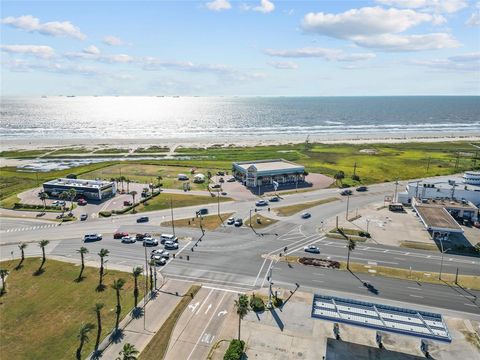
(82, 202)
(216, 186)
(274, 199)
(129, 240)
(238, 222)
(160, 253)
(221, 180)
(312, 249)
(261, 203)
(361, 188)
(149, 241)
(127, 203)
(232, 179)
(59, 203)
(120, 234)
(202, 211)
(224, 193)
(143, 219)
(142, 236)
(346, 192)
(170, 245)
(168, 237)
(160, 261)
(83, 217)
(221, 173)
(92, 237)
(306, 215)
(230, 221)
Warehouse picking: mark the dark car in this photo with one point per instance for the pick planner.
(202, 211)
(274, 199)
(222, 180)
(231, 179)
(127, 203)
(346, 192)
(221, 173)
(142, 236)
(306, 215)
(362, 188)
(120, 234)
(142, 219)
(238, 222)
(83, 217)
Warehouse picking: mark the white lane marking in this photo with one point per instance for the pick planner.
(259, 271)
(467, 304)
(178, 253)
(208, 308)
(209, 321)
(223, 312)
(318, 281)
(193, 307)
(318, 274)
(417, 296)
(413, 288)
(266, 273)
(214, 280)
(204, 301)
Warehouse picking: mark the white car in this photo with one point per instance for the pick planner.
(159, 260)
(160, 254)
(148, 241)
(168, 237)
(230, 221)
(170, 245)
(312, 249)
(92, 237)
(129, 239)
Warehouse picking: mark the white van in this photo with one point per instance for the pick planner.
(168, 237)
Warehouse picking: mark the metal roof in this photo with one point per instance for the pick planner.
(437, 218)
(75, 183)
(380, 317)
(269, 166)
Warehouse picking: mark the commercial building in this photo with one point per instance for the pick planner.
(466, 187)
(89, 189)
(266, 172)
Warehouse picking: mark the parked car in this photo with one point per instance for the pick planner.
(306, 215)
(221, 173)
(160, 253)
(216, 186)
(312, 249)
(129, 240)
(170, 245)
(120, 234)
(127, 203)
(82, 202)
(149, 241)
(224, 193)
(83, 217)
(238, 222)
(160, 261)
(142, 236)
(168, 237)
(232, 179)
(346, 192)
(261, 203)
(230, 221)
(202, 211)
(142, 219)
(362, 188)
(92, 237)
(275, 199)
(221, 180)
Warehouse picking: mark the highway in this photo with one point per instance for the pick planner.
(239, 259)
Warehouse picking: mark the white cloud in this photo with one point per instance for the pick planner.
(316, 52)
(40, 51)
(218, 5)
(283, 65)
(465, 62)
(367, 21)
(112, 40)
(92, 49)
(52, 28)
(439, 6)
(474, 19)
(393, 42)
(265, 7)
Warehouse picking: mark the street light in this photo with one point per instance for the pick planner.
(441, 262)
(348, 203)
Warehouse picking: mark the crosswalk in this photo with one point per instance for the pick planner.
(28, 228)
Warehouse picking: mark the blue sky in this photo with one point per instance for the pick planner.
(221, 47)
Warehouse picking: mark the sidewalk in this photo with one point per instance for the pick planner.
(139, 331)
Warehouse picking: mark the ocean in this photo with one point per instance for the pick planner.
(239, 118)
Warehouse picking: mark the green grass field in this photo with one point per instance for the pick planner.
(290, 210)
(41, 315)
(209, 222)
(162, 201)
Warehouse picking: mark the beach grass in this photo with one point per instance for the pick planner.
(153, 149)
(210, 222)
(18, 154)
(41, 315)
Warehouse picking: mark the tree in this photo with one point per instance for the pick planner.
(42, 245)
(128, 352)
(43, 196)
(242, 308)
(118, 286)
(350, 246)
(159, 179)
(3, 275)
(83, 337)
(128, 181)
(98, 309)
(22, 247)
(151, 264)
(82, 251)
(339, 176)
(64, 197)
(137, 271)
(133, 193)
(71, 195)
(122, 179)
(103, 253)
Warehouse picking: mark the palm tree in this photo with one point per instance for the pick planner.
(133, 193)
(43, 196)
(128, 184)
(241, 305)
(98, 308)
(350, 246)
(72, 194)
(42, 245)
(151, 264)
(339, 176)
(64, 197)
(118, 286)
(83, 337)
(128, 352)
(137, 271)
(122, 179)
(22, 247)
(82, 251)
(103, 253)
(159, 178)
(3, 275)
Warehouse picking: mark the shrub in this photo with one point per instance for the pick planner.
(105, 213)
(355, 177)
(257, 303)
(235, 350)
(71, 176)
(477, 247)
(277, 302)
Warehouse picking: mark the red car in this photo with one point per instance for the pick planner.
(82, 202)
(119, 235)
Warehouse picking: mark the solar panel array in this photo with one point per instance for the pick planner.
(420, 324)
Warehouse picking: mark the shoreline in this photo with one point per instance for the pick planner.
(204, 142)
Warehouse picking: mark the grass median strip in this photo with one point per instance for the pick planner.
(157, 347)
(293, 209)
(259, 221)
(210, 222)
(162, 201)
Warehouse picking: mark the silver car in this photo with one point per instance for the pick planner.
(129, 239)
(150, 241)
(170, 245)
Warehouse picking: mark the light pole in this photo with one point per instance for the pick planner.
(441, 261)
(270, 283)
(171, 212)
(348, 203)
(146, 289)
(368, 223)
(396, 186)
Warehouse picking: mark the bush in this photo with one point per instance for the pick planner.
(477, 247)
(235, 350)
(71, 176)
(257, 304)
(105, 213)
(277, 302)
(355, 177)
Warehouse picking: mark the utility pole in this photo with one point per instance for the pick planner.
(171, 212)
(428, 164)
(250, 221)
(355, 169)
(348, 203)
(218, 206)
(396, 186)
(146, 289)
(270, 283)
